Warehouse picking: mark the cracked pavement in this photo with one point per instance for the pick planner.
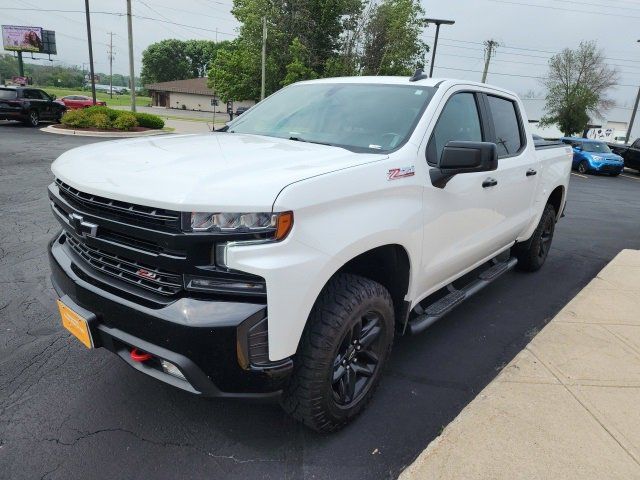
(67, 412)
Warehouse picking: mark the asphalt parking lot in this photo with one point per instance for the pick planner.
(66, 412)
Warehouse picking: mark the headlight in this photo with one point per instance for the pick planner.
(596, 158)
(276, 225)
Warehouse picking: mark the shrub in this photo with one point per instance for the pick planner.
(110, 112)
(76, 118)
(148, 120)
(100, 120)
(125, 121)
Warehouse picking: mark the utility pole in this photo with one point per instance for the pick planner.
(110, 64)
(132, 78)
(633, 115)
(93, 78)
(438, 22)
(489, 49)
(264, 55)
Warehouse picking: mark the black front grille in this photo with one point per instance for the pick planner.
(168, 220)
(145, 276)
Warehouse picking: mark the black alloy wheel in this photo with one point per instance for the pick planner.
(357, 360)
(34, 118)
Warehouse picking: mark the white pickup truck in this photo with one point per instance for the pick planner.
(282, 255)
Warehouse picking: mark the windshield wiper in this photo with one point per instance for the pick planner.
(300, 139)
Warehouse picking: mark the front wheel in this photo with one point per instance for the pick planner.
(532, 254)
(342, 353)
(583, 167)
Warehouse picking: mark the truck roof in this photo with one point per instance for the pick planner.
(398, 80)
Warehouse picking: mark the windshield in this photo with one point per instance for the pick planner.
(359, 117)
(597, 147)
(6, 94)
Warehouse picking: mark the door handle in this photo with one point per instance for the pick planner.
(531, 172)
(489, 182)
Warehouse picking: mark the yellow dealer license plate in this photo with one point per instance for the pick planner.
(76, 324)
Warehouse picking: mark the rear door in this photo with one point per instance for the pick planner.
(517, 173)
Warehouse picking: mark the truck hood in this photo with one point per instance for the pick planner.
(211, 172)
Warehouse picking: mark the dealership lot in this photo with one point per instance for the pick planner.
(65, 411)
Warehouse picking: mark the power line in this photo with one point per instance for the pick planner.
(565, 9)
(118, 14)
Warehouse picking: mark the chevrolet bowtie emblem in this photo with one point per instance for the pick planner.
(82, 227)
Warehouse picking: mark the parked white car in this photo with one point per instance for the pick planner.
(286, 252)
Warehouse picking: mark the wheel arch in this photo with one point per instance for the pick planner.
(556, 199)
(390, 266)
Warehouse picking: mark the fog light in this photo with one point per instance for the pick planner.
(171, 369)
(221, 285)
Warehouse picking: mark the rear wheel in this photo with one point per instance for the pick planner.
(342, 353)
(532, 254)
(583, 166)
(33, 119)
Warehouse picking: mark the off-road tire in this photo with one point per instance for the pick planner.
(532, 254)
(309, 396)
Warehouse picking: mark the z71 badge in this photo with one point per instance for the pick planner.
(396, 173)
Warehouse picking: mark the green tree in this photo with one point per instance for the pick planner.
(165, 61)
(392, 44)
(298, 69)
(577, 87)
(236, 70)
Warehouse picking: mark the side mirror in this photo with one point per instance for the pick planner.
(464, 157)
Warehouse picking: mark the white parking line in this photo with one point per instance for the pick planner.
(629, 176)
(578, 175)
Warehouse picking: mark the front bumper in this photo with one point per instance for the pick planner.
(206, 339)
(607, 167)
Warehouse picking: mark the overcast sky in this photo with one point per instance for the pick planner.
(529, 32)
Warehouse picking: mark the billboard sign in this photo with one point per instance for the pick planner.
(25, 39)
(49, 42)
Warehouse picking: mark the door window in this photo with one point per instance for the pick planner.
(459, 121)
(506, 123)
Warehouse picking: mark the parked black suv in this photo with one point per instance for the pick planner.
(29, 105)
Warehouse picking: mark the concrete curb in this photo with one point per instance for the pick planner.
(566, 406)
(87, 133)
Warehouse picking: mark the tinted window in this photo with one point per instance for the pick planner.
(507, 126)
(34, 95)
(596, 147)
(459, 120)
(7, 94)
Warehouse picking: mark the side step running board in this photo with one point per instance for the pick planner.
(440, 308)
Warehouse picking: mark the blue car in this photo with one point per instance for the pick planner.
(594, 156)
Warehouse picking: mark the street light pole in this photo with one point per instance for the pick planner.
(132, 78)
(437, 22)
(633, 115)
(93, 79)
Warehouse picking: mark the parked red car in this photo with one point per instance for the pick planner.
(79, 101)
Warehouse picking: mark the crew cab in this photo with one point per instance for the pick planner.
(29, 105)
(285, 253)
(629, 153)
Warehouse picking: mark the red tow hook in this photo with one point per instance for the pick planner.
(139, 356)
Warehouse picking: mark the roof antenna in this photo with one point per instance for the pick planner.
(419, 75)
